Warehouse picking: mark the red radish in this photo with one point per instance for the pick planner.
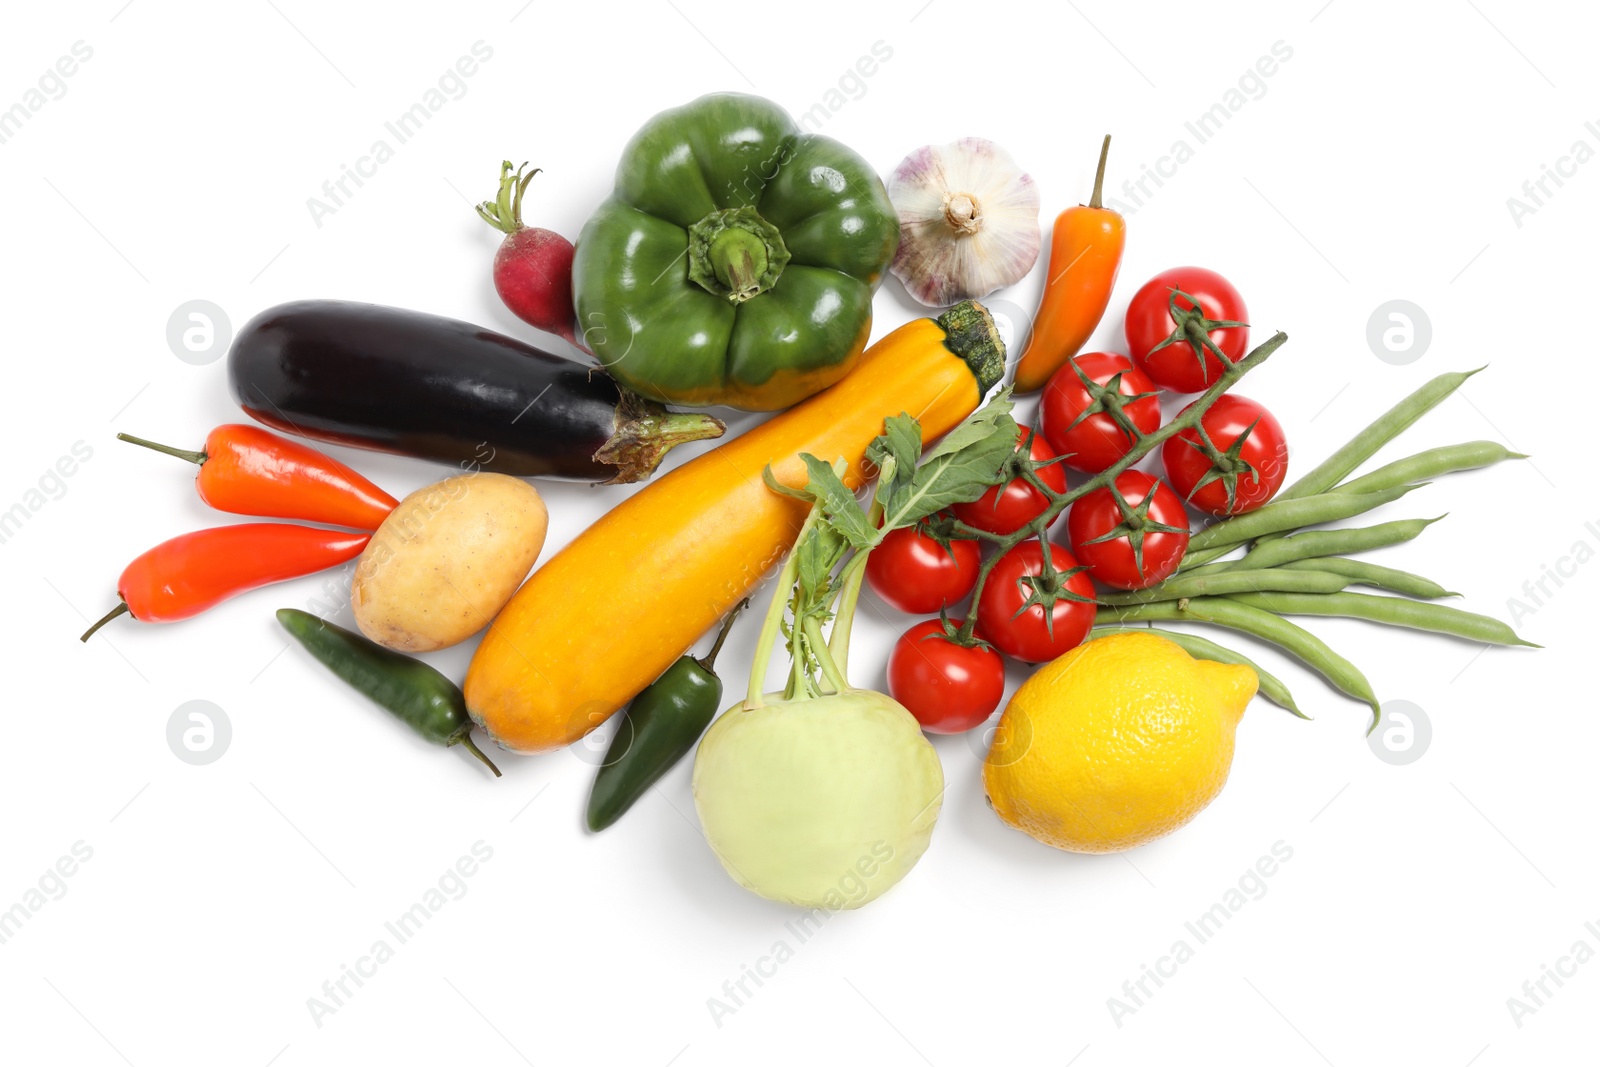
(533, 268)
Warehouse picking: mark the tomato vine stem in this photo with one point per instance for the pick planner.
(1058, 502)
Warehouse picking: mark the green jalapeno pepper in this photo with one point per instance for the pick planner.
(412, 691)
(659, 728)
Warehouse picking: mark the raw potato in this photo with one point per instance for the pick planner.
(446, 561)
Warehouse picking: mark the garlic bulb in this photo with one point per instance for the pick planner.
(969, 221)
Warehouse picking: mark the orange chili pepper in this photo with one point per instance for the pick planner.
(1085, 252)
(182, 577)
(248, 471)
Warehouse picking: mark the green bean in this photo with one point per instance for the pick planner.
(1291, 515)
(1385, 428)
(1360, 572)
(1389, 610)
(1195, 562)
(1225, 582)
(1211, 568)
(1198, 647)
(1300, 643)
(1314, 543)
(1430, 464)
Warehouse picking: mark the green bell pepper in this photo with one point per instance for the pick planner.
(736, 259)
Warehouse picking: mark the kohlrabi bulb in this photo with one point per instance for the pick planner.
(823, 803)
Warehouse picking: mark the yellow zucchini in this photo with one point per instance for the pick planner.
(614, 608)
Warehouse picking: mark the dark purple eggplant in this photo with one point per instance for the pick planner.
(422, 385)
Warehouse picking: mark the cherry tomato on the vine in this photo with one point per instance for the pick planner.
(1135, 542)
(913, 572)
(948, 687)
(1008, 507)
(1244, 465)
(1083, 424)
(1170, 349)
(1011, 608)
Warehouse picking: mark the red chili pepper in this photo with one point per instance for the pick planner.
(248, 471)
(182, 577)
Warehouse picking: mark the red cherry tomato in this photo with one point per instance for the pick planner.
(1008, 508)
(1081, 427)
(1135, 543)
(1184, 366)
(948, 688)
(915, 573)
(1019, 628)
(1254, 458)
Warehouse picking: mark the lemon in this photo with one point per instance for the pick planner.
(1118, 742)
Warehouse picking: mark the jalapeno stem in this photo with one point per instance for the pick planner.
(708, 661)
(465, 740)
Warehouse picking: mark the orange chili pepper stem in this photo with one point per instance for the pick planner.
(120, 609)
(1100, 174)
(192, 457)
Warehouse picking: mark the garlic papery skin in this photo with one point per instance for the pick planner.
(969, 221)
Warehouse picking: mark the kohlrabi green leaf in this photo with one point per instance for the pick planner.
(839, 504)
(776, 486)
(896, 453)
(818, 553)
(975, 427)
(957, 469)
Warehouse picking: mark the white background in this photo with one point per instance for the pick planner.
(1376, 165)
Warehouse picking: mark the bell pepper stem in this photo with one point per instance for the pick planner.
(464, 739)
(120, 609)
(735, 254)
(181, 453)
(740, 258)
